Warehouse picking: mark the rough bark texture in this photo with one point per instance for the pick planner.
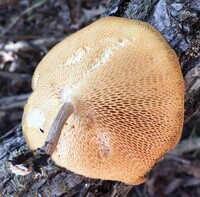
(179, 22)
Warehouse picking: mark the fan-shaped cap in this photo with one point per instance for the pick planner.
(125, 83)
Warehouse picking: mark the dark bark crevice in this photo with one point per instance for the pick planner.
(177, 21)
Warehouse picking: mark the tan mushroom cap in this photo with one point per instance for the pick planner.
(127, 88)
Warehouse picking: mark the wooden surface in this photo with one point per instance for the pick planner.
(55, 181)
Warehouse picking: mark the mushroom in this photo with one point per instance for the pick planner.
(108, 100)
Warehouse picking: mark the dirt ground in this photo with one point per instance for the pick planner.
(28, 29)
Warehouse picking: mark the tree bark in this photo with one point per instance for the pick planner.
(178, 23)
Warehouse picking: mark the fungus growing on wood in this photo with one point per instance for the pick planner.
(108, 101)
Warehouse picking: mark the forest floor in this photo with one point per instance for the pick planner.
(28, 29)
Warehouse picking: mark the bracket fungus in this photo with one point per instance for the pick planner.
(108, 100)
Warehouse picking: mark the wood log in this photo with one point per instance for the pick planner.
(177, 21)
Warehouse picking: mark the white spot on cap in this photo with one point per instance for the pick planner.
(35, 118)
(105, 55)
(103, 144)
(77, 56)
(66, 94)
(102, 59)
(35, 80)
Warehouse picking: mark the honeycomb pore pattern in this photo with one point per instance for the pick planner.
(126, 85)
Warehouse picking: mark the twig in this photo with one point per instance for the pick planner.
(11, 132)
(31, 45)
(11, 102)
(72, 11)
(13, 75)
(176, 158)
(186, 146)
(28, 37)
(192, 89)
(4, 3)
(12, 24)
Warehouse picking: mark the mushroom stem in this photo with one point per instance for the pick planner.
(54, 133)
